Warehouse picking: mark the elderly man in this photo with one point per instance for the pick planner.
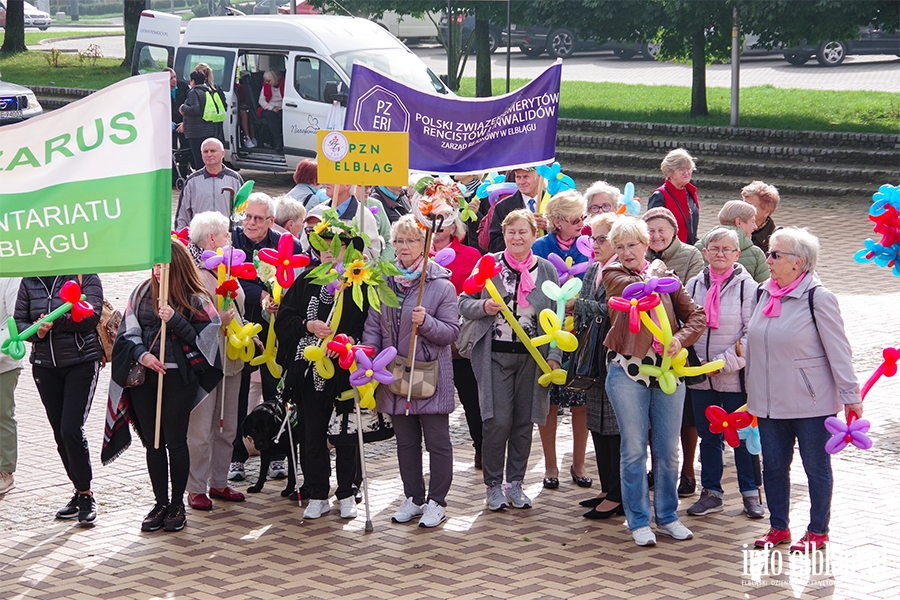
(203, 189)
(531, 195)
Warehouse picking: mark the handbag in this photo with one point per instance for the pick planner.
(342, 427)
(425, 374)
(137, 373)
(583, 371)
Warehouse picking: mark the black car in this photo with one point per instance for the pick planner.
(496, 35)
(562, 42)
(831, 53)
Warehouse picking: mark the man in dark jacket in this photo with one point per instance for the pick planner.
(531, 195)
(195, 128)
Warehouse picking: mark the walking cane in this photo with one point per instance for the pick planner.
(163, 301)
(411, 359)
(230, 191)
(362, 460)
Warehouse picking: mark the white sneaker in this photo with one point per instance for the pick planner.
(277, 470)
(676, 530)
(236, 471)
(434, 515)
(248, 143)
(408, 511)
(643, 536)
(348, 507)
(516, 496)
(7, 482)
(316, 509)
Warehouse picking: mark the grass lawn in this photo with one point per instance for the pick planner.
(30, 68)
(34, 37)
(764, 107)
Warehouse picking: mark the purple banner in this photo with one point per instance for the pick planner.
(457, 136)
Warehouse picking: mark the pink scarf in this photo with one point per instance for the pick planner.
(564, 245)
(526, 283)
(776, 293)
(713, 296)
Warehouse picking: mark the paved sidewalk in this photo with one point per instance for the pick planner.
(264, 549)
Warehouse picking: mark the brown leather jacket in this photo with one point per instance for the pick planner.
(680, 308)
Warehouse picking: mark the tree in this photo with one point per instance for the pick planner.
(132, 17)
(14, 39)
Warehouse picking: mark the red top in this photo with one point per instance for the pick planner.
(681, 199)
(463, 264)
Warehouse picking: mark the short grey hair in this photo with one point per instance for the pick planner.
(288, 209)
(801, 242)
(627, 227)
(206, 223)
(721, 233)
(601, 187)
(737, 209)
(676, 159)
(407, 224)
(264, 199)
(215, 141)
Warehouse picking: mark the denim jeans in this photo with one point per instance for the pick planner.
(711, 444)
(636, 407)
(777, 438)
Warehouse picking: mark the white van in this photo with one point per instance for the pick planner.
(316, 52)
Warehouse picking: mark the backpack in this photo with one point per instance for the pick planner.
(107, 328)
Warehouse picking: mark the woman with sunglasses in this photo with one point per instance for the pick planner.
(799, 373)
(565, 219)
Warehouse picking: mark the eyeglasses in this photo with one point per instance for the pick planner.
(632, 247)
(685, 170)
(600, 208)
(256, 218)
(575, 221)
(721, 251)
(408, 242)
(599, 240)
(776, 254)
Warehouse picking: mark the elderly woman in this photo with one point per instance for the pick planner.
(464, 260)
(725, 290)
(637, 398)
(289, 215)
(765, 198)
(306, 180)
(271, 97)
(590, 308)
(678, 194)
(601, 198)
(740, 217)
(799, 372)
(685, 261)
(437, 319)
(565, 218)
(510, 397)
(209, 445)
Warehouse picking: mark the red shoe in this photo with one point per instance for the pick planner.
(773, 537)
(227, 494)
(810, 540)
(200, 502)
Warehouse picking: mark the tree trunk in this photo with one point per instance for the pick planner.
(482, 58)
(132, 17)
(14, 40)
(698, 83)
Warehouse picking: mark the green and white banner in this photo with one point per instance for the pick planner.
(88, 188)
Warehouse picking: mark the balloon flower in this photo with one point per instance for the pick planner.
(240, 340)
(628, 204)
(493, 178)
(887, 196)
(73, 300)
(324, 365)
(284, 260)
(851, 432)
(561, 295)
(369, 369)
(728, 424)
(227, 260)
(269, 352)
(887, 368)
(445, 257)
(634, 308)
(566, 268)
(884, 213)
(183, 235)
(479, 280)
(557, 181)
(346, 350)
(750, 436)
(554, 334)
(681, 368)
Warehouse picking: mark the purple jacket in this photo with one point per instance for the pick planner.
(440, 329)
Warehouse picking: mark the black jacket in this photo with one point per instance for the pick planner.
(393, 209)
(67, 343)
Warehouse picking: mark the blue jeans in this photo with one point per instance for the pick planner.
(711, 444)
(636, 407)
(777, 438)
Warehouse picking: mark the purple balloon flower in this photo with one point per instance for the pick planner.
(445, 257)
(332, 287)
(642, 289)
(843, 434)
(212, 259)
(585, 245)
(367, 369)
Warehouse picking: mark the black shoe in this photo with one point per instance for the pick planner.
(70, 510)
(154, 519)
(584, 482)
(175, 519)
(650, 479)
(604, 514)
(551, 483)
(87, 509)
(357, 495)
(686, 486)
(478, 460)
(592, 502)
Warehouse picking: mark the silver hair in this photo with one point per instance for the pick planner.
(205, 223)
(601, 187)
(721, 233)
(627, 227)
(288, 209)
(801, 242)
(215, 141)
(262, 198)
(676, 159)
(737, 209)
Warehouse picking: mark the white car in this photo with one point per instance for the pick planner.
(17, 103)
(33, 17)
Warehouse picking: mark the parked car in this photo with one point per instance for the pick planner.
(17, 103)
(831, 53)
(562, 42)
(33, 16)
(408, 27)
(496, 35)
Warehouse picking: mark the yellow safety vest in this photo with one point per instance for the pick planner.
(214, 110)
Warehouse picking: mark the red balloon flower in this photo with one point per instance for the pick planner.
(244, 271)
(183, 235)
(486, 268)
(728, 423)
(634, 308)
(346, 350)
(71, 292)
(284, 260)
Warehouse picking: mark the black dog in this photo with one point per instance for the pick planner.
(262, 426)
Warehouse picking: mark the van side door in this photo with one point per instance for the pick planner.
(222, 62)
(305, 108)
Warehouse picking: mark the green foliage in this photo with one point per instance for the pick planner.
(54, 58)
(30, 68)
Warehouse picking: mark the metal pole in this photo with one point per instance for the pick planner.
(362, 460)
(735, 68)
(508, 41)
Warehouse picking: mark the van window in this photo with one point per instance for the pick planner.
(310, 77)
(152, 59)
(222, 65)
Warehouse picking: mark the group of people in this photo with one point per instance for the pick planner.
(745, 293)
